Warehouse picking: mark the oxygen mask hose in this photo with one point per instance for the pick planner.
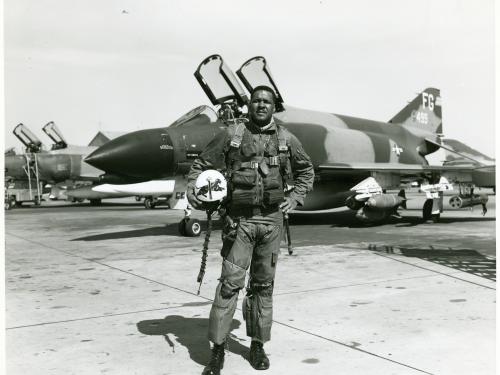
(204, 254)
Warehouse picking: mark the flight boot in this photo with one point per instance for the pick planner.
(258, 358)
(216, 362)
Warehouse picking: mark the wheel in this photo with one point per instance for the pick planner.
(137, 198)
(38, 201)
(17, 203)
(455, 202)
(193, 228)
(10, 204)
(149, 204)
(182, 227)
(95, 202)
(427, 210)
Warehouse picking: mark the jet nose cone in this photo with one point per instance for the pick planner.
(141, 154)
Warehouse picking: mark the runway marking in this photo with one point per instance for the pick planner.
(208, 299)
(349, 285)
(93, 317)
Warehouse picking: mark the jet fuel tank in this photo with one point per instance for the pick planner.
(383, 202)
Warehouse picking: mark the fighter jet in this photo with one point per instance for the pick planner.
(355, 160)
(64, 169)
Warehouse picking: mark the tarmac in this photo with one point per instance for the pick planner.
(112, 290)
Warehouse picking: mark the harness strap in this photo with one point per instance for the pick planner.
(238, 135)
(282, 141)
(280, 160)
(271, 161)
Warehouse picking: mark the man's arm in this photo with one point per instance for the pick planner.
(212, 157)
(302, 170)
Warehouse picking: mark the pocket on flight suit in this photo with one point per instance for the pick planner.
(274, 196)
(228, 237)
(275, 232)
(244, 178)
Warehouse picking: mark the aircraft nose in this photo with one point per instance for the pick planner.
(140, 154)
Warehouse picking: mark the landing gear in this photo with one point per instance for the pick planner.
(95, 202)
(189, 227)
(138, 198)
(149, 203)
(38, 201)
(11, 203)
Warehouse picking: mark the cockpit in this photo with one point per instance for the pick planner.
(203, 112)
(227, 92)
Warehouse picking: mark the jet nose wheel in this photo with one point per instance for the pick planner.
(149, 203)
(455, 202)
(190, 227)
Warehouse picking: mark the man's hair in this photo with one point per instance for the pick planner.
(264, 88)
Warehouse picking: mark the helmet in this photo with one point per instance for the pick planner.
(210, 186)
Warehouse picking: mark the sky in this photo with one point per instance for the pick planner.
(128, 65)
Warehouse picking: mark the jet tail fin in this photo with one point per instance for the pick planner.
(423, 112)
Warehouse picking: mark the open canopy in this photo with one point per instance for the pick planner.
(219, 82)
(255, 72)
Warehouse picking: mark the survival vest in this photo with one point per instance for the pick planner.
(256, 174)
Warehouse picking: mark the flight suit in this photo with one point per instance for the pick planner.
(258, 162)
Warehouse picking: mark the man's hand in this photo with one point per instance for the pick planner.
(288, 205)
(194, 201)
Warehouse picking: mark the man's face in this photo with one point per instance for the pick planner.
(261, 107)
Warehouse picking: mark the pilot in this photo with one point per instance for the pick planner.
(260, 158)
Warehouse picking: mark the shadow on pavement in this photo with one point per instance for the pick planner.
(167, 230)
(190, 333)
(347, 219)
(466, 260)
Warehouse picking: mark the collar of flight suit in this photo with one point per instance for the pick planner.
(266, 129)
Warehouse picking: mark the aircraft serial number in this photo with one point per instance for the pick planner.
(421, 117)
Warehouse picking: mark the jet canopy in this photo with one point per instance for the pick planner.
(223, 87)
(55, 134)
(255, 72)
(219, 82)
(202, 110)
(27, 138)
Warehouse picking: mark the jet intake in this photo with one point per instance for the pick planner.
(116, 179)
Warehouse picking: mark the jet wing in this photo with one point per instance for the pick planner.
(394, 167)
(479, 175)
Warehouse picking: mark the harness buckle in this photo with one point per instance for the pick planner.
(273, 161)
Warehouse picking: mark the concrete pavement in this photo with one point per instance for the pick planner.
(121, 299)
